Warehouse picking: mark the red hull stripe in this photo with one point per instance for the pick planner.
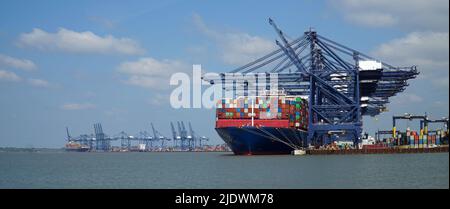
(257, 123)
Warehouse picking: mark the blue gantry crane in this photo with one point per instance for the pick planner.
(158, 136)
(185, 137)
(103, 142)
(197, 140)
(175, 136)
(125, 140)
(182, 135)
(192, 138)
(409, 117)
(145, 141)
(341, 84)
(69, 138)
(85, 140)
(441, 133)
(186, 140)
(142, 141)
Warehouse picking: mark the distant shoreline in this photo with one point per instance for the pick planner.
(35, 150)
(22, 149)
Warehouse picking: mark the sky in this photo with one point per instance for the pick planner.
(74, 63)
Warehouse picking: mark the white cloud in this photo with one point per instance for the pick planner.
(158, 99)
(442, 81)
(9, 76)
(151, 73)
(412, 14)
(77, 106)
(236, 48)
(143, 81)
(23, 64)
(115, 112)
(38, 82)
(78, 42)
(428, 50)
(412, 98)
(373, 19)
(440, 104)
(430, 45)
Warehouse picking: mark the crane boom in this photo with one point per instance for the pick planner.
(154, 131)
(193, 138)
(287, 48)
(180, 132)
(174, 133)
(191, 130)
(68, 135)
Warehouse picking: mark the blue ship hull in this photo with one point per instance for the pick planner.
(262, 140)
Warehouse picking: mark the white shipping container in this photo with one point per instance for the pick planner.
(141, 147)
(370, 65)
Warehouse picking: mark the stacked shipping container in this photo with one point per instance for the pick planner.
(417, 141)
(272, 111)
(414, 140)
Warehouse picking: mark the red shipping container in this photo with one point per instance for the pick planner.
(373, 146)
(257, 123)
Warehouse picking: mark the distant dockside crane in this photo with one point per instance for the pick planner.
(103, 142)
(441, 133)
(197, 139)
(175, 136)
(182, 135)
(158, 136)
(410, 117)
(142, 141)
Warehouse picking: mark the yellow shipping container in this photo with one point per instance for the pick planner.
(404, 146)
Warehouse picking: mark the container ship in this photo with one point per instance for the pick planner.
(262, 125)
(76, 147)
